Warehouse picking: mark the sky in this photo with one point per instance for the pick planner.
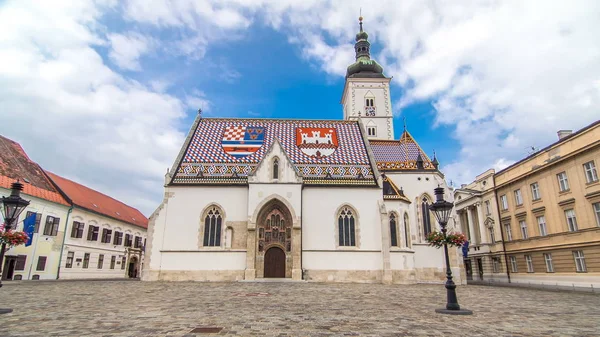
(104, 92)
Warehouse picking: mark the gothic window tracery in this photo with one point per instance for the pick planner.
(425, 216)
(346, 227)
(212, 227)
(276, 168)
(393, 230)
(406, 231)
(276, 231)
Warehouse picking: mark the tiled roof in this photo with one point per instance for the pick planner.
(230, 149)
(16, 165)
(95, 201)
(399, 155)
(391, 191)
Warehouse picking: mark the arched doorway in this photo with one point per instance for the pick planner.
(274, 241)
(275, 262)
(132, 271)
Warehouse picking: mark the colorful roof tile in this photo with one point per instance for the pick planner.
(97, 202)
(16, 165)
(391, 191)
(399, 155)
(224, 150)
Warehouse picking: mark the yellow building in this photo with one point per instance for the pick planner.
(549, 212)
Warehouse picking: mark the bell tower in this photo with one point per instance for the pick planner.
(367, 91)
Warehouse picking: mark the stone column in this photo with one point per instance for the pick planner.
(250, 273)
(480, 225)
(471, 226)
(296, 252)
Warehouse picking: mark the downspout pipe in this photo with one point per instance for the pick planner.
(62, 246)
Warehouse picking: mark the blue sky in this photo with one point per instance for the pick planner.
(104, 91)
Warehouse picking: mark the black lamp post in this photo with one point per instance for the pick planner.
(12, 206)
(442, 209)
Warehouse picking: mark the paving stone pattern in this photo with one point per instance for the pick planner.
(100, 308)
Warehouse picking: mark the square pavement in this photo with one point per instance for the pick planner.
(125, 308)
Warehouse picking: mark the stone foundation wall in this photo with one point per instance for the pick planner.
(347, 276)
(195, 275)
(430, 275)
(404, 277)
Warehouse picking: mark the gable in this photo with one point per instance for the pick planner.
(229, 150)
(399, 155)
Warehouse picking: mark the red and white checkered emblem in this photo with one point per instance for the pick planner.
(234, 133)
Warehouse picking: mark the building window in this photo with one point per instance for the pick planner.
(123, 260)
(93, 233)
(113, 261)
(426, 217)
(276, 168)
(38, 219)
(535, 191)
(563, 182)
(128, 240)
(518, 197)
(100, 261)
(597, 212)
(118, 238)
(371, 131)
(77, 230)
(346, 227)
(508, 232)
(523, 226)
(212, 228)
(138, 242)
(513, 264)
(529, 263)
(496, 264)
(51, 227)
(504, 202)
(406, 231)
(106, 235)
(41, 264)
(21, 260)
(579, 261)
(571, 220)
(590, 172)
(541, 220)
(369, 102)
(393, 230)
(86, 260)
(492, 235)
(69, 263)
(488, 210)
(549, 266)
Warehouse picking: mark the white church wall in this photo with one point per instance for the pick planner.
(357, 91)
(186, 207)
(322, 257)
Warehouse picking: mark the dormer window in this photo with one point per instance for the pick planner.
(276, 168)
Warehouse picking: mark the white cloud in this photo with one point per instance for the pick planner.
(72, 113)
(126, 49)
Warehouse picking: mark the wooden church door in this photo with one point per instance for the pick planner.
(275, 262)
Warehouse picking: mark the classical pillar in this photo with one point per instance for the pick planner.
(473, 237)
(480, 226)
(250, 273)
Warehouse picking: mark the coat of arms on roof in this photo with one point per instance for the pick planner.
(317, 142)
(241, 141)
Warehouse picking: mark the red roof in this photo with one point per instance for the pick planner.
(95, 201)
(16, 165)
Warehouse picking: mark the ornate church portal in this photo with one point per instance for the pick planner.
(274, 241)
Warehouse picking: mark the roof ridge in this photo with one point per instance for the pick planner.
(278, 119)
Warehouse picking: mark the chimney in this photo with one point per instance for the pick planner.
(563, 133)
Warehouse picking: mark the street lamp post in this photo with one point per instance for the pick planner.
(12, 207)
(442, 209)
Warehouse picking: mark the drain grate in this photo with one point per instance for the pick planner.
(207, 329)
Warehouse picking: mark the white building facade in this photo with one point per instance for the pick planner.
(315, 200)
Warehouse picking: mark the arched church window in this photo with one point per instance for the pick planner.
(426, 216)
(393, 230)
(212, 227)
(346, 227)
(276, 168)
(406, 231)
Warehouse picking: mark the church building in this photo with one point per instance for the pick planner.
(315, 200)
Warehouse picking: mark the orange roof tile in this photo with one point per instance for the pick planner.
(16, 165)
(95, 201)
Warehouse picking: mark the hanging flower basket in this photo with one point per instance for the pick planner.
(436, 239)
(13, 238)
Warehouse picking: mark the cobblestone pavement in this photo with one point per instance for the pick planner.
(119, 308)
